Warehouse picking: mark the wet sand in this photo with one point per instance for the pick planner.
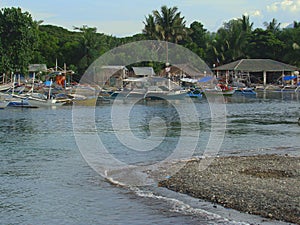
(265, 185)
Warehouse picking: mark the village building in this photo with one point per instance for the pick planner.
(257, 71)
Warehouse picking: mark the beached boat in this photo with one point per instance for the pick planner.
(40, 100)
(5, 87)
(15, 99)
(18, 102)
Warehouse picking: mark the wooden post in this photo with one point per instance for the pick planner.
(265, 78)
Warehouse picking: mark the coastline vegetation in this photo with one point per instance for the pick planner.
(24, 41)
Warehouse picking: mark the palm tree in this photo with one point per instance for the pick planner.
(296, 24)
(246, 25)
(90, 45)
(272, 26)
(167, 25)
(232, 40)
(150, 29)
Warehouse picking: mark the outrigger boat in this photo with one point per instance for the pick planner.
(3, 104)
(194, 93)
(219, 90)
(245, 92)
(152, 88)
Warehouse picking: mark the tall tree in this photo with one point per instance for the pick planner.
(265, 44)
(272, 26)
(291, 39)
(198, 41)
(18, 32)
(166, 25)
(231, 41)
(90, 46)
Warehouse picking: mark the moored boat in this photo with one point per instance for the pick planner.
(5, 87)
(245, 92)
(194, 93)
(44, 102)
(218, 91)
(3, 104)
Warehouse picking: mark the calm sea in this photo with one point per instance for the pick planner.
(44, 178)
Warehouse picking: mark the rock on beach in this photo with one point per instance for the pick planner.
(265, 185)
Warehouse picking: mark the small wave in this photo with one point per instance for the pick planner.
(183, 208)
(176, 205)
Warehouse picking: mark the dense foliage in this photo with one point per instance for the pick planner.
(19, 35)
(25, 41)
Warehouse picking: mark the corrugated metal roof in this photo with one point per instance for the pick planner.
(143, 71)
(256, 65)
(191, 70)
(116, 67)
(37, 67)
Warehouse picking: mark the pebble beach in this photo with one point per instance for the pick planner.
(264, 185)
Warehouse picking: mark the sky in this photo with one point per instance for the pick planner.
(125, 18)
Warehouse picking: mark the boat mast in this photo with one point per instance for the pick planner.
(32, 87)
(49, 92)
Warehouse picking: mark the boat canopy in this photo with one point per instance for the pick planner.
(286, 78)
(205, 79)
(189, 80)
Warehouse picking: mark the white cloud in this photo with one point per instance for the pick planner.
(255, 13)
(285, 5)
(119, 28)
(284, 25)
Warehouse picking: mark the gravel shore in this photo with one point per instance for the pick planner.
(265, 185)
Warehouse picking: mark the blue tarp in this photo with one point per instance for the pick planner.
(48, 83)
(205, 79)
(289, 77)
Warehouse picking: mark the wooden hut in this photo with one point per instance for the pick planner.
(261, 71)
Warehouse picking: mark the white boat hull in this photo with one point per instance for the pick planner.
(42, 102)
(3, 104)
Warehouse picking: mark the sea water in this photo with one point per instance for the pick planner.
(45, 179)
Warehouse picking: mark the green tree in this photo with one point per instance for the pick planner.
(272, 26)
(265, 44)
(231, 40)
(166, 25)
(199, 39)
(90, 46)
(290, 37)
(18, 32)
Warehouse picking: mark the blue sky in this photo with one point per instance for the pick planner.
(125, 18)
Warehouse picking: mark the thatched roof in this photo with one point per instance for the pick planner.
(256, 65)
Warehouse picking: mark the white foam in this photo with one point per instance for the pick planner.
(181, 207)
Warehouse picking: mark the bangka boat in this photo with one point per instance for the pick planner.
(153, 93)
(194, 93)
(152, 88)
(19, 102)
(3, 104)
(40, 100)
(217, 90)
(5, 87)
(245, 92)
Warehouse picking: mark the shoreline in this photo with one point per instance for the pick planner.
(264, 185)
